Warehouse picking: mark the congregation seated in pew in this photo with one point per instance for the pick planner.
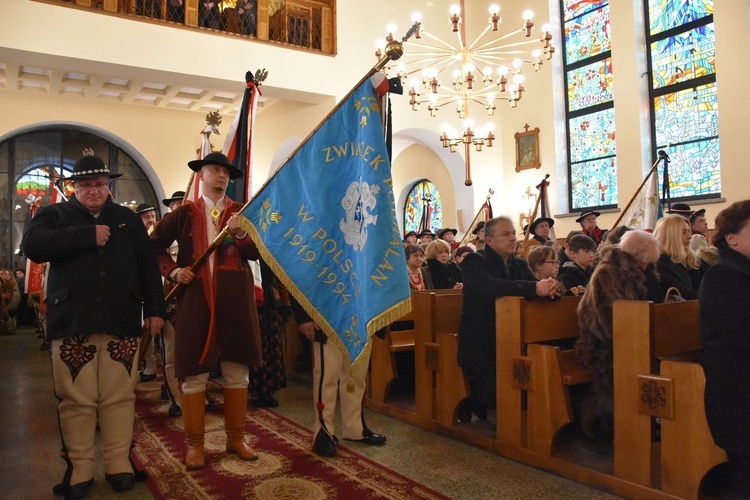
(627, 266)
(678, 266)
(576, 273)
(419, 276)
(444, 273)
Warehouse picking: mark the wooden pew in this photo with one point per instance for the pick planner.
(539, 372)
(643, 333)
(435, 312)
(383, 359)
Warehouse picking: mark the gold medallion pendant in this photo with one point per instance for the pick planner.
(215, 215)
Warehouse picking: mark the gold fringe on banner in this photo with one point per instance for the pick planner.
(382, 320)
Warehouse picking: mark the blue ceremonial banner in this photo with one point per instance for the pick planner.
(326, 224)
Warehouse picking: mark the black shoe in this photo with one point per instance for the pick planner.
(325, 445)
(71, 492)
(464, 411)
(371, 438)
(266, 401)
(480, 412)
(164, 393)
(148, 377)
(174, 411)
(211, 405)
(123, 481)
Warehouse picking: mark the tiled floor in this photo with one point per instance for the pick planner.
(29, 443)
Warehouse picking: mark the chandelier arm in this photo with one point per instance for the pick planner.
(430, 35)
(477, 39)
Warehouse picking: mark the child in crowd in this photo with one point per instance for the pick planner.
(576, 273)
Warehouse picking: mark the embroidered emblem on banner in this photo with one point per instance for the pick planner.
(75, 354)
(267, 216)
(358, 203)
(123, 351)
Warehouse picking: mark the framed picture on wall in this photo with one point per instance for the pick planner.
(527, 149)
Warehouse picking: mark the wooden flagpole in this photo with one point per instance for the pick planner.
(474, 222)
(536, 208)
(645, 179)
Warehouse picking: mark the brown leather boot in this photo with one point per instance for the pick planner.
(194, 420)
(235, 411)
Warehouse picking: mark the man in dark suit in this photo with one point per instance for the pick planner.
(489, 273)
(103, 274)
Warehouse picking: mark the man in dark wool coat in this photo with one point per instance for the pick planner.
(216, 322)
(490, 273)
(103, 274)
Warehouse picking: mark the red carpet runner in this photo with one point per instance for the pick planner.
(287, 467)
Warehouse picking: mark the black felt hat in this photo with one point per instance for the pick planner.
(479, 227)
(681, 209)
(697, 213)
(178, 195)
(216, 159)
(144, 207)
(410, 233)
(90, 166)
(447, 230)
(585, 214)
(533, 225)
(427, 232)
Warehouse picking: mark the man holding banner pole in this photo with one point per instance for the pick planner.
(216, 321)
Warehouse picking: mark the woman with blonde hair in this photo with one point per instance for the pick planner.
(678, 266)
(444, 273)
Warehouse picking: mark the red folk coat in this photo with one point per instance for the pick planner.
(235, 333)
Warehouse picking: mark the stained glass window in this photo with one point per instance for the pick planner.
(684, 111)
(590, 117)
(423, 208)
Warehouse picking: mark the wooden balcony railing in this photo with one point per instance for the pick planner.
(305, 24)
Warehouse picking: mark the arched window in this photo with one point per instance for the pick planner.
(684, 113)
(29, 163)
(423, 208)
(589, 105)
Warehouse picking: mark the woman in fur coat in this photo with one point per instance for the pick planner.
(625, 272)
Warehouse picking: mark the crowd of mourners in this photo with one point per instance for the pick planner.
(675, 262)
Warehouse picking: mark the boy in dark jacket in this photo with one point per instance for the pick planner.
(577, 272)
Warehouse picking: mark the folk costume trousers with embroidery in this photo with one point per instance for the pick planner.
(95, 375)
(331, 377)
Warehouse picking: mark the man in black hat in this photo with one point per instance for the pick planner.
(103, 279)
(170, 390)
(216, 318)
(410, 238)
(478, 240)
(587, 220)
(696, 218)
(147, 213)
(539, 234)
(174, 201)
(449, 235)
(426, 237)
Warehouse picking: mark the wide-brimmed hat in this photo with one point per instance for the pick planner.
(410, 233)
(216, 159)
(447, 230)
(479, 227)
(681, 209)
(427, 232)
(533, 225)
(178, 195)
(90, 166)
(585, 214)
(697, 213)
(144, 207)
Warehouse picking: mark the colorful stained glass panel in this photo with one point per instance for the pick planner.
(686, 115)
(590, 85)
(683, 57)
(593, 183)
(575, 8)
(587, 36)
(694, 169)
(592, 136)
(668, 14)
(423, 196)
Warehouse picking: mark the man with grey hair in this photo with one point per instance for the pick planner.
(489, 273)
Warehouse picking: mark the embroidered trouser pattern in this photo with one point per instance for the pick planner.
(94, 374)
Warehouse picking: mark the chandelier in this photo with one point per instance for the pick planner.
(486, 71)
